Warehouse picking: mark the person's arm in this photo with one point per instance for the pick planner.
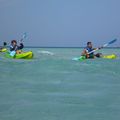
(84, 52)
(97, 48)
(21, 46)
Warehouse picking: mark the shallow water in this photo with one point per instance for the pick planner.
(53, 87)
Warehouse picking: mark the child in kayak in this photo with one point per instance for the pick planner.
(89, 49)
(15, 49)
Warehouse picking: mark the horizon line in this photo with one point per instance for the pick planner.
(59, 47)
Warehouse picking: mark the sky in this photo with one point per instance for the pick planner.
(60, 23)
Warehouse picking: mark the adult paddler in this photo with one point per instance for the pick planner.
(88, 51)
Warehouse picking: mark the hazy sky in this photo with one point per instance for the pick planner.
(60, 22)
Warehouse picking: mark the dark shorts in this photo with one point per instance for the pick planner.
(91, 56)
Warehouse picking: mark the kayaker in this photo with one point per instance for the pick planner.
(4, 46)
(14, 48)
(89, 49)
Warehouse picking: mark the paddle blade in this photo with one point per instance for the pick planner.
(111, 42)
(24, 36)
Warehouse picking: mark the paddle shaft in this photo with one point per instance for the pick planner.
(103, 46)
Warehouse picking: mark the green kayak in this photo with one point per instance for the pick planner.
(23, 55)
(3, 50)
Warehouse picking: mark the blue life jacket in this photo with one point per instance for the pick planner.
(13, 48)
(89, 50)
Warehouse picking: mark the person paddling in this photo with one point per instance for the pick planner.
(15, 49)
(89, 49)
(4, 45)
(3, 48)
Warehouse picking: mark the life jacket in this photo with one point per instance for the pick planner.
(89, 50)
(13, 48)
(91, 55)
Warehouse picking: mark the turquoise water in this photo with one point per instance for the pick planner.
(53, 87)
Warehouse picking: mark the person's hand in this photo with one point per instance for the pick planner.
(100, 47)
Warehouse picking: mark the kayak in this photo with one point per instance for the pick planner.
(3, 50)
(24, 55)
(112, 56)
(81, 58)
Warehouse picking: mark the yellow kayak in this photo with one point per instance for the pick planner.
(3, 50)
(24, 55)
(112, 56)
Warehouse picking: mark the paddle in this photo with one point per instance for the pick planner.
(109, 43)
(23, 37)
